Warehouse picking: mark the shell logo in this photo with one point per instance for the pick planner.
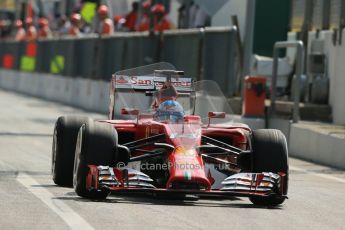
(183, 151)
(121, 80)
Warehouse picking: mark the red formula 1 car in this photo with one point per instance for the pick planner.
(169, 135)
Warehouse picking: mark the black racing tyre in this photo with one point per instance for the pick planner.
(63, 149)
(96, 145)
(270, 154)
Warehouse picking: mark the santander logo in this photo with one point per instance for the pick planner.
(150, 81)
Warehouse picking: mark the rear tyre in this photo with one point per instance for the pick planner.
(63, 149)
(270, 154)
(96, 145)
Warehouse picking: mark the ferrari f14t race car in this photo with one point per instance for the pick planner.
(167, 135)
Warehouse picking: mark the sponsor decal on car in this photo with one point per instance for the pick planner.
(150, 82)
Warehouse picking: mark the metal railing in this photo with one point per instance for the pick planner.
(299, 71)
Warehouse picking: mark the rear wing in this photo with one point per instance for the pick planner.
(150, 83)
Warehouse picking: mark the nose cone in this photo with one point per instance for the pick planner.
(187, 171)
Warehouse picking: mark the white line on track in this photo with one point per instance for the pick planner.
(72, 219)
(324, 176)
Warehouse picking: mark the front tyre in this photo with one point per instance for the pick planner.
(96, 145)
(64, 140)
(270, 154)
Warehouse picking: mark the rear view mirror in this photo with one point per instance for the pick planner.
(192, 119)
(211, 115)
(130, 111)
(216, 114)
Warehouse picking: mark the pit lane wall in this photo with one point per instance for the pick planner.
(310, 141)
(92, 95)
(317, 142)
(196, 51)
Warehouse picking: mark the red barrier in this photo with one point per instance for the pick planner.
(254, 96)
(8, 61)
(31, 49)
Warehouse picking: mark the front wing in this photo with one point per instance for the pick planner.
(122, 180)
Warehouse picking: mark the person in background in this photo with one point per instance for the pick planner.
(131, 17)
(2, 29)
(106, 26)
(31, 32)
(186, 15)
(192, 14)
(202, 19)
(119, 23)
(44, 30)
(74, 27)
(20, 31)
(5, 29)
(161, 22)
(61, 25)
(182, 14)
(144, 24)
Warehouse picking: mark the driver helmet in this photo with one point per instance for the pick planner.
(103, 10)
(75, 18)
(169, 111)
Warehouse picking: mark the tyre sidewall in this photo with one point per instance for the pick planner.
(270, 153)
(63, 149)
(96, 145)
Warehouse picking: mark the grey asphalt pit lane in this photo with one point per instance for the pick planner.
(36, 173)
(45, 186)
(40, 104)
(8, 173)
(19, 134)
(43, 121)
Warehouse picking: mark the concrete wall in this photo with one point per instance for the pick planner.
(318, 143)
(337, 76)
(82, 93)
(336, 71)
